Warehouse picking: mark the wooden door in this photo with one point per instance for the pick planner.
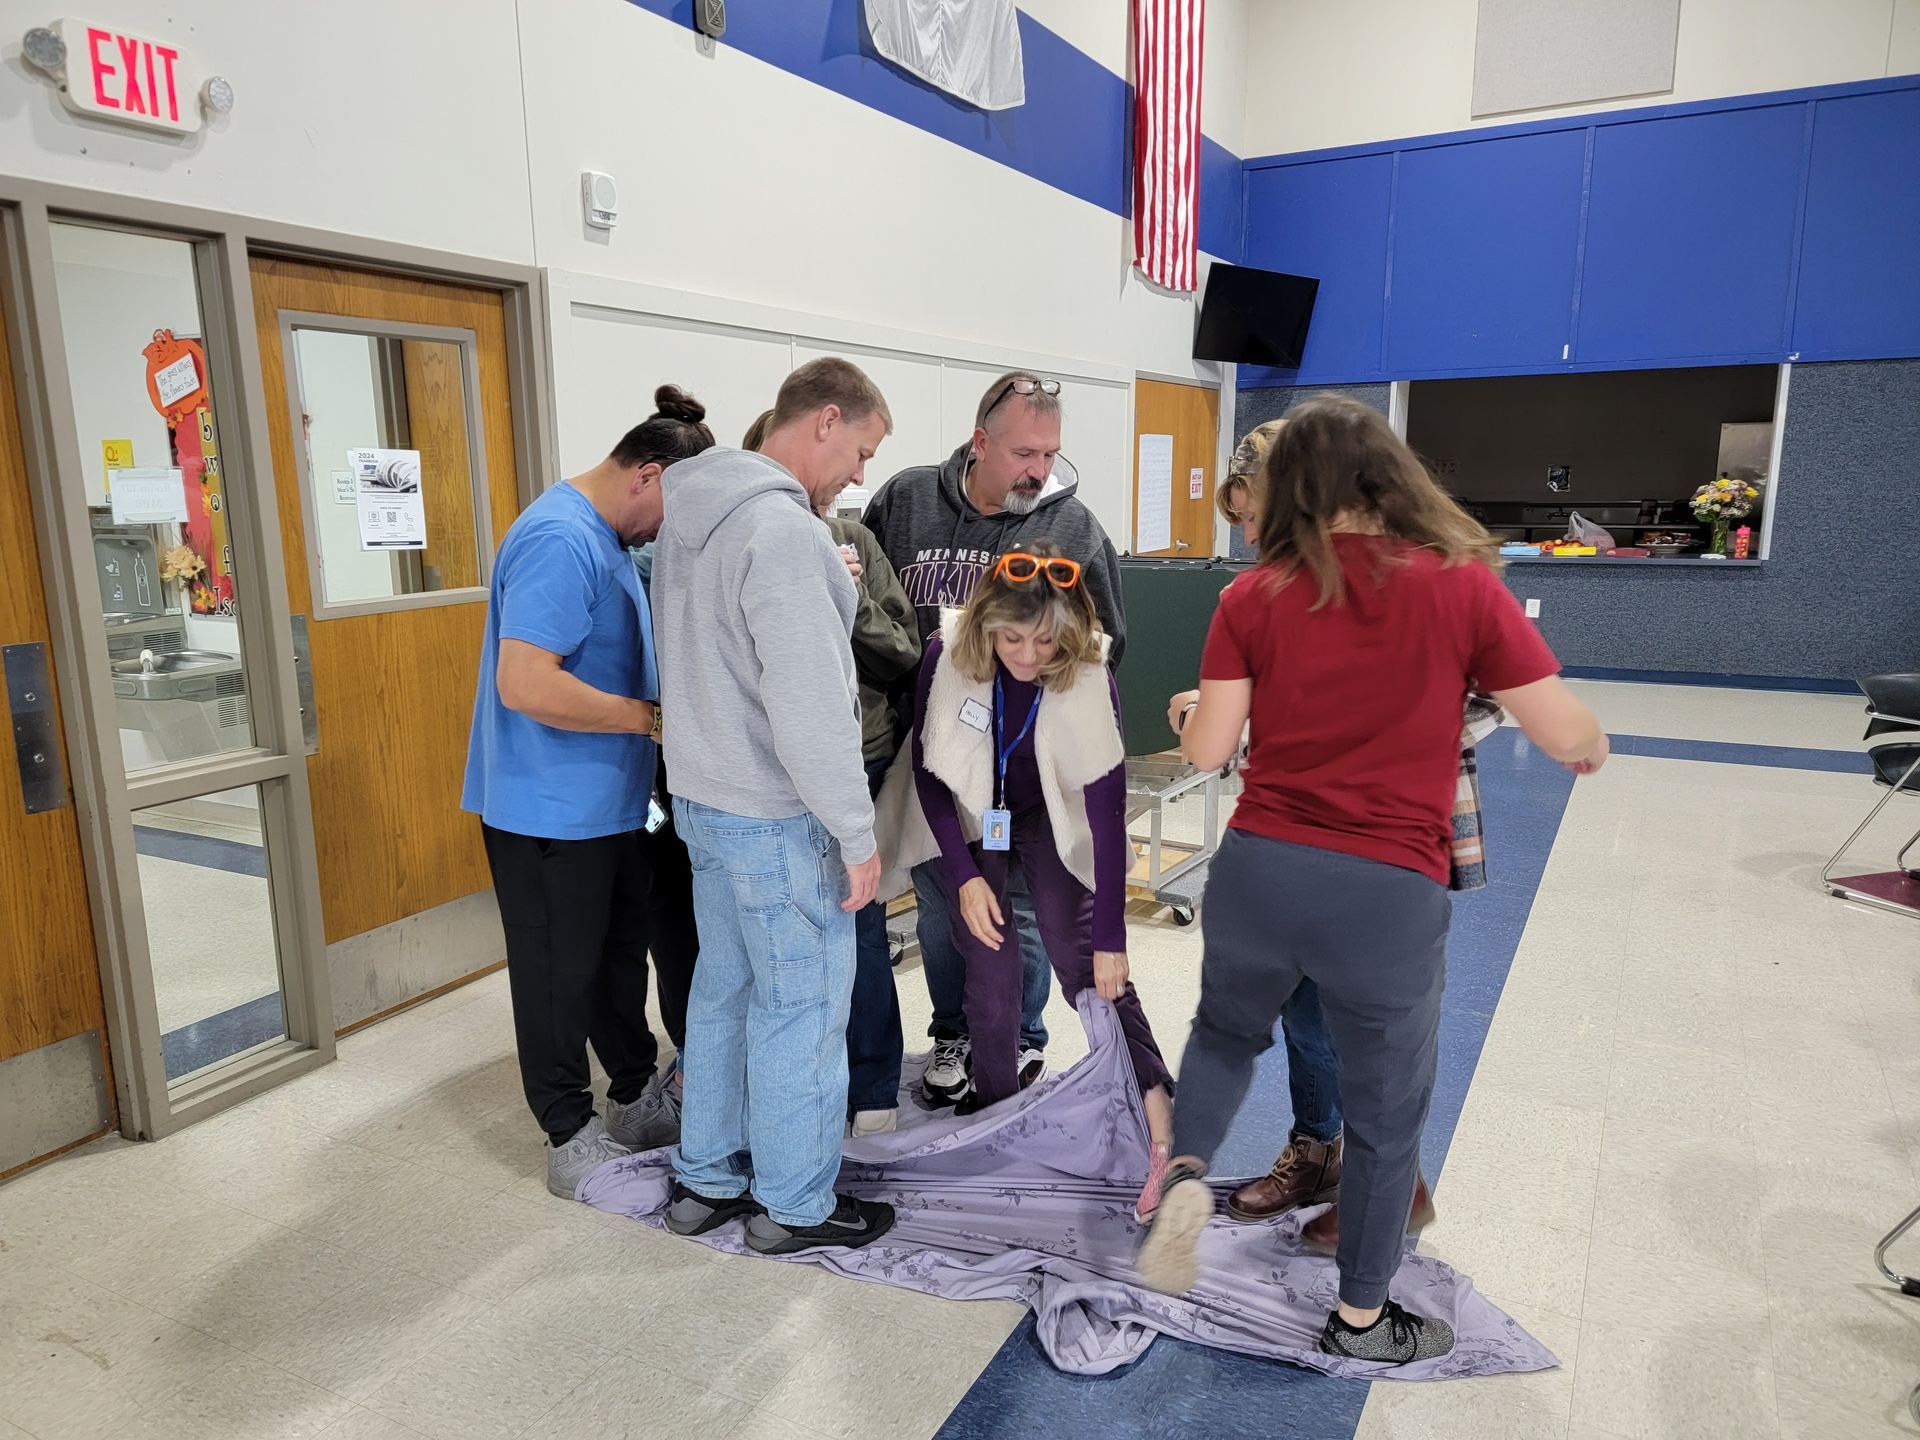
(1190, 414)
(394, 689)
(49, 973)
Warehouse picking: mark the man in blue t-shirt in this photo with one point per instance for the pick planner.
(560, 769)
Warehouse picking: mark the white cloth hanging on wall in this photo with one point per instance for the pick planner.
(968, 48)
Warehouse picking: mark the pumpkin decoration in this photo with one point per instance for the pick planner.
(176, 375)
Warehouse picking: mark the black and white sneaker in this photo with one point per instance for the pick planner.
(691, 1213)
(1398, 1337)
(949, 1069)
(852, 1224)
(1033, 1065)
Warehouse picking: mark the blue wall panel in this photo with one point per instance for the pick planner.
(1690, 236)
(1859, 292)
(1223, 209)
(1328, 220)
(1485, 243)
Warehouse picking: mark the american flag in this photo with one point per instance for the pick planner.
(1166, 139)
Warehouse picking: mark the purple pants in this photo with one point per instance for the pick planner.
(1064, 909)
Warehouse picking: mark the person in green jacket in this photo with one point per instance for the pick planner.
(886, 648)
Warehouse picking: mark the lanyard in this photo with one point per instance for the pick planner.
(1005, 751)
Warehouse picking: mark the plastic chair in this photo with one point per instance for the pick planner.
(1908, 1285)
(1893, 703)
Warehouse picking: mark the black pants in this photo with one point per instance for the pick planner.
(575, 915)
(673, 937)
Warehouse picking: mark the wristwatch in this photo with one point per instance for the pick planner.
(654, 732)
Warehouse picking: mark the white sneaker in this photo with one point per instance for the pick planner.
(949, 1070)
(874, 1122)
(1033, 1065)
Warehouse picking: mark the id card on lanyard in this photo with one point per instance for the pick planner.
(996, 825)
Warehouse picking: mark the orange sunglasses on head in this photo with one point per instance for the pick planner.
(1020, 567)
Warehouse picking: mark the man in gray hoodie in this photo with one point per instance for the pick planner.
(760, 714)
(942, 526)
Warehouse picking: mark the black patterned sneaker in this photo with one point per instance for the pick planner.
(1398, 1337)
(691, 1213)
(852, 1224)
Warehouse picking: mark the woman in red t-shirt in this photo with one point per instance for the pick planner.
(1347, 655)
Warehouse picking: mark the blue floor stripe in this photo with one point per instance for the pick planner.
(204, 850)
(1816, 684)
(1729, 752)
(204, 1042)
(1184, 1389)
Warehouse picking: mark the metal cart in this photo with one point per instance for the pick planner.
(1173, 874)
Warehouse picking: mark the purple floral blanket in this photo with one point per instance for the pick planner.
(1033, 1201)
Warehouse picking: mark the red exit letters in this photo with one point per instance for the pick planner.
(117, 76)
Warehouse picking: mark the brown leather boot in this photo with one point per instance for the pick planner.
(1322, 1233)
(1307, 1173)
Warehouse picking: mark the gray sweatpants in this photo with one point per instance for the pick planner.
(1373, 937)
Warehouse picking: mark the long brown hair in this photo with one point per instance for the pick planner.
(997, 602)
(1337, 460)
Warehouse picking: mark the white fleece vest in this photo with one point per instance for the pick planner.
(1076, 740)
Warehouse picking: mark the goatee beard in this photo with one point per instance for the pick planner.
(1021, 502)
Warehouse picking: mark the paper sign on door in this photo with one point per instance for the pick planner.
(1153, 502)
(393, 515)
(1196, 483)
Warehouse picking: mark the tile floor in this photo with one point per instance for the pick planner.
(1696, 1109)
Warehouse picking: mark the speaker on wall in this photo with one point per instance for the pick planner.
(1255, 317)
(710, 17)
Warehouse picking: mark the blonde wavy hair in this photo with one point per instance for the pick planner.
(999, 604)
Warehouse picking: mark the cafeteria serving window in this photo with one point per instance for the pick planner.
(1627, 449)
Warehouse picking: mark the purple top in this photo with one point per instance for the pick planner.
(1106, 805)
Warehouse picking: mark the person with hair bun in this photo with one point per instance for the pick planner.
(560, 767)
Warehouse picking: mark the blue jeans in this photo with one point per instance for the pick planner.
(874, 1042)
(1313, 1080)
(766, 1053)
(936, 915)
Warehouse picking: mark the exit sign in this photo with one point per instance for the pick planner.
(114, 75)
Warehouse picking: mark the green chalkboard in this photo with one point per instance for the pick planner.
(1169, 605)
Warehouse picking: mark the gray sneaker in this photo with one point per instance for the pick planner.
(651, 1122)
(1398, 1337)
(580, 1157)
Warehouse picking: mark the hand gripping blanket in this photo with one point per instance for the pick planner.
(1033, 1201)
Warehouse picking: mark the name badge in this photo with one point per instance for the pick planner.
(996, 830)
(975, 714)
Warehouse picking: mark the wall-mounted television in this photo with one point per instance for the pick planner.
(1255, 317)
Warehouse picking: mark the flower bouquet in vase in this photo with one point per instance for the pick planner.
(1720, 504)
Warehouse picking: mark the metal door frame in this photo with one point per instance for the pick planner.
(104, 797)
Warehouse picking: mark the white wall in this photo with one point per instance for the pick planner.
(1322, 75)
(616, 340)
(465, 128)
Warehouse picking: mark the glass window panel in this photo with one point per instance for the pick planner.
(148, 421)
(387, 456)
(210, 931)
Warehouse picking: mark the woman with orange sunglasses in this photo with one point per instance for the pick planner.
(1017, 758)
